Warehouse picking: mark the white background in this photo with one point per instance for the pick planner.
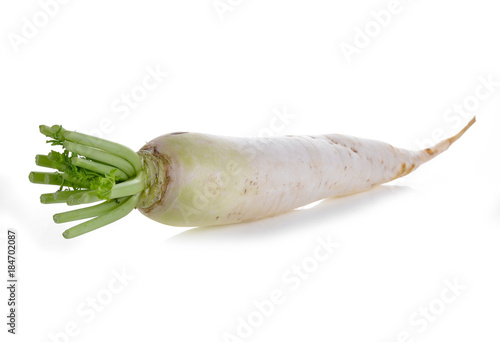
(399, 244)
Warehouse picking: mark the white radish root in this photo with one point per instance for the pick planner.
(200, 179)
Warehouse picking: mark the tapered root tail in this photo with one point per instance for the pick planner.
(430, 153)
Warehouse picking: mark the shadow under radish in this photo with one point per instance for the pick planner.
(306, 217)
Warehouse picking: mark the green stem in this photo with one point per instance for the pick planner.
(100, 156)
(44, 161)
(119, 212)
(56, 164)
(93, 211)
(128, 188)
(61, 135)
(52, 178)
(48, 131)
(114, 148)
(62, 196)
(49, 199)
(99, 168)
(76, 182)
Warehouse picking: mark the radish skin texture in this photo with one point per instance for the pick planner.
(194, 179)
(211, 180)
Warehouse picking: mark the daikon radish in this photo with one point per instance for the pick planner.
(193, 179)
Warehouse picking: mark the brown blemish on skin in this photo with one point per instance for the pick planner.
(354, 150)
(430, 151)
(332, 141)
(237, 216)
(404, 170)
(394, 150)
